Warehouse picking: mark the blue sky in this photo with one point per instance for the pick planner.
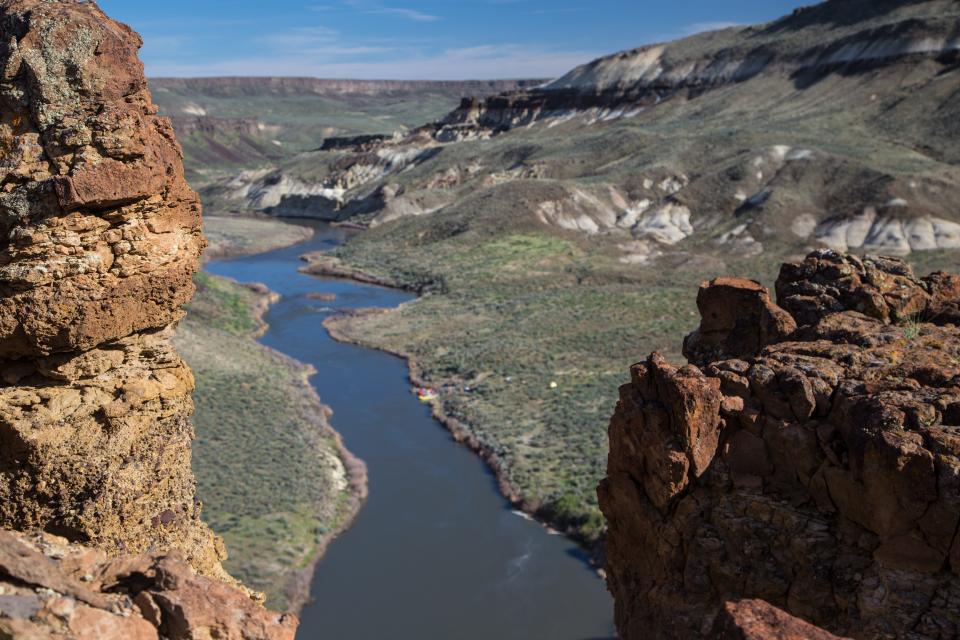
(412, 39)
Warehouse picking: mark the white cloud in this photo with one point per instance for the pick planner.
(316, 42)
(409, 14)
(299, 38)
(548, 12)
(375, 8)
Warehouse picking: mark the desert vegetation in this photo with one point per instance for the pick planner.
(528, 331)
(269, 469)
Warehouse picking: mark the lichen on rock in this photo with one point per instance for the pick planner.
(827, 475)
(101, 237)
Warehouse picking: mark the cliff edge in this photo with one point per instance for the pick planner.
(808, 456)
(101, 238)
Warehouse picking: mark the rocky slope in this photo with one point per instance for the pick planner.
(50, 588)
(838, 35)
(230, 124)
(102, 236)
(807, 456)
(275, 479)
(833, 126)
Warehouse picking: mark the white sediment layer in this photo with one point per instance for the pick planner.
(874, 232)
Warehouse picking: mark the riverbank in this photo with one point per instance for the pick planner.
(348, 329)
(279, 483)
(339, 327)
(527, 336)
(322, 265)
(234, 236)
(435, 541)
(357, 489)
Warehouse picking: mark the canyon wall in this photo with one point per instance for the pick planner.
(101, 238)
(258, 86)
(807, 456)
(835, 36)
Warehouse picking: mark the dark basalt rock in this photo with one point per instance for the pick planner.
(811, 459)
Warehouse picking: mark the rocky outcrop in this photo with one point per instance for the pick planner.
(759, 620)
(738, 320)
(809, 457)
(101, 238)
(50, 588)
(862, 35)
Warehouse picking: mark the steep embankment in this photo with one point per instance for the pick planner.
(231, 236)
(275, 479)
(833, 36)
(551, 248)
(807, 456)
(101, 238)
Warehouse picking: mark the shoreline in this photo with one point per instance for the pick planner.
(323, 265)
(353, 497)
(225, 250)
(459, 431)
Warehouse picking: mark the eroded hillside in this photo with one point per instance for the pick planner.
(228, 124)
(833, 126)
(557, 230)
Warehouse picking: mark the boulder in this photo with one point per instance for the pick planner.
(738, 319)
(51, 588)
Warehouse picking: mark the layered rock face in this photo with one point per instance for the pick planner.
(847, 35)
(809, 456)
(100, 239)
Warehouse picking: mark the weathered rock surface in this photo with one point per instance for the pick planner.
(50, 588)
(759, 620)
(815, 466)
(102, 236)
(100, 239)
(739, 319)
(101, 232)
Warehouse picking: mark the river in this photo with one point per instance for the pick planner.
(436, 552)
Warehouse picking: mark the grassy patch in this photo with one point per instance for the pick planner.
(234, 235)
(266, 462)
(520, 311)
